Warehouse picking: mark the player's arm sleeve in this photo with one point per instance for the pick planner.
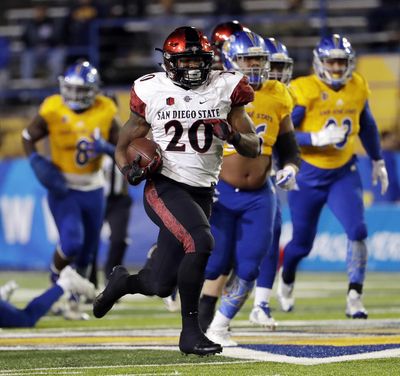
(369, 134)
(242, 94)
(286, 147)
(137, 106)
(298, 114)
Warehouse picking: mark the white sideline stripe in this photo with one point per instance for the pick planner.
(239, 331)
(268, 357)
(246, 355)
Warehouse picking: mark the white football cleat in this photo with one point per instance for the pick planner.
(354, 306)
(7, 290)
(221, 335)
(72, 282)
(173, 302)
(261, 315)
(285, 294)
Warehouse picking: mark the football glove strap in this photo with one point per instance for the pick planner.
(328, 136)
(380, 174)
(133, 173)
(49, 175)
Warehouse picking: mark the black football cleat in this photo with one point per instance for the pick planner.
(115, 289)
(198, 345)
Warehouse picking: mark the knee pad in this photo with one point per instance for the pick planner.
(248, 270)
(72, 248)
(358, 232)
(302, 241)
(203, 240)
(217, 266)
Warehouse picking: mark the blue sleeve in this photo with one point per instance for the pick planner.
(303, 138)
(369, 134)
(298, 114)
(48, 174)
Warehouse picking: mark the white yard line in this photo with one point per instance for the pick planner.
(58, 369)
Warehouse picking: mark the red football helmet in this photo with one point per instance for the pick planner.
(219, 35)
(223, 31)
(187, 43)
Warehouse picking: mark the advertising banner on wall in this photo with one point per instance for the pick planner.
(28, 234)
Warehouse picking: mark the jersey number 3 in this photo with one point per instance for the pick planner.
(347, 124)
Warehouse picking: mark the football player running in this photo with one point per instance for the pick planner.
(281, 70)
(243, 212)
(77, 122)
(332, 110)
(191, 111)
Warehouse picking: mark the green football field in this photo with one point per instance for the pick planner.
(139, 336)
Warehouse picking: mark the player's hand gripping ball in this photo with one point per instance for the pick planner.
(144, 158)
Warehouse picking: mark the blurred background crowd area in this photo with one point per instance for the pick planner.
(38, 39)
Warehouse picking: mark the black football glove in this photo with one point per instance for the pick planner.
(221, 128)
(135, 174)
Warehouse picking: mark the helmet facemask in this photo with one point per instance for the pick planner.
(79, 86)
(246, 52)
(77, 97)
(255, 65)
(281, 69)
(180, 68)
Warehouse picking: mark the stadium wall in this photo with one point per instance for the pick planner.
(28, 234)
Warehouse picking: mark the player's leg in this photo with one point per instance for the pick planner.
(7, 290)
(13, 317)
(253, 238)
(173, 301)
(184, 214)
(261, 312)
(92, 204)
(212, 290)
(118, 218)
(345, 201)
(223, 222)
(305, 208)
(68, 219)
(69, 281)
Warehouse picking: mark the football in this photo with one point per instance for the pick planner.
(148, 151)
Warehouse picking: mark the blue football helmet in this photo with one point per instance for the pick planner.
(334, 47)
(280, 61)
(79, 86)
(244, 46)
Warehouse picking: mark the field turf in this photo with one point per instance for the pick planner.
(139, 336)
